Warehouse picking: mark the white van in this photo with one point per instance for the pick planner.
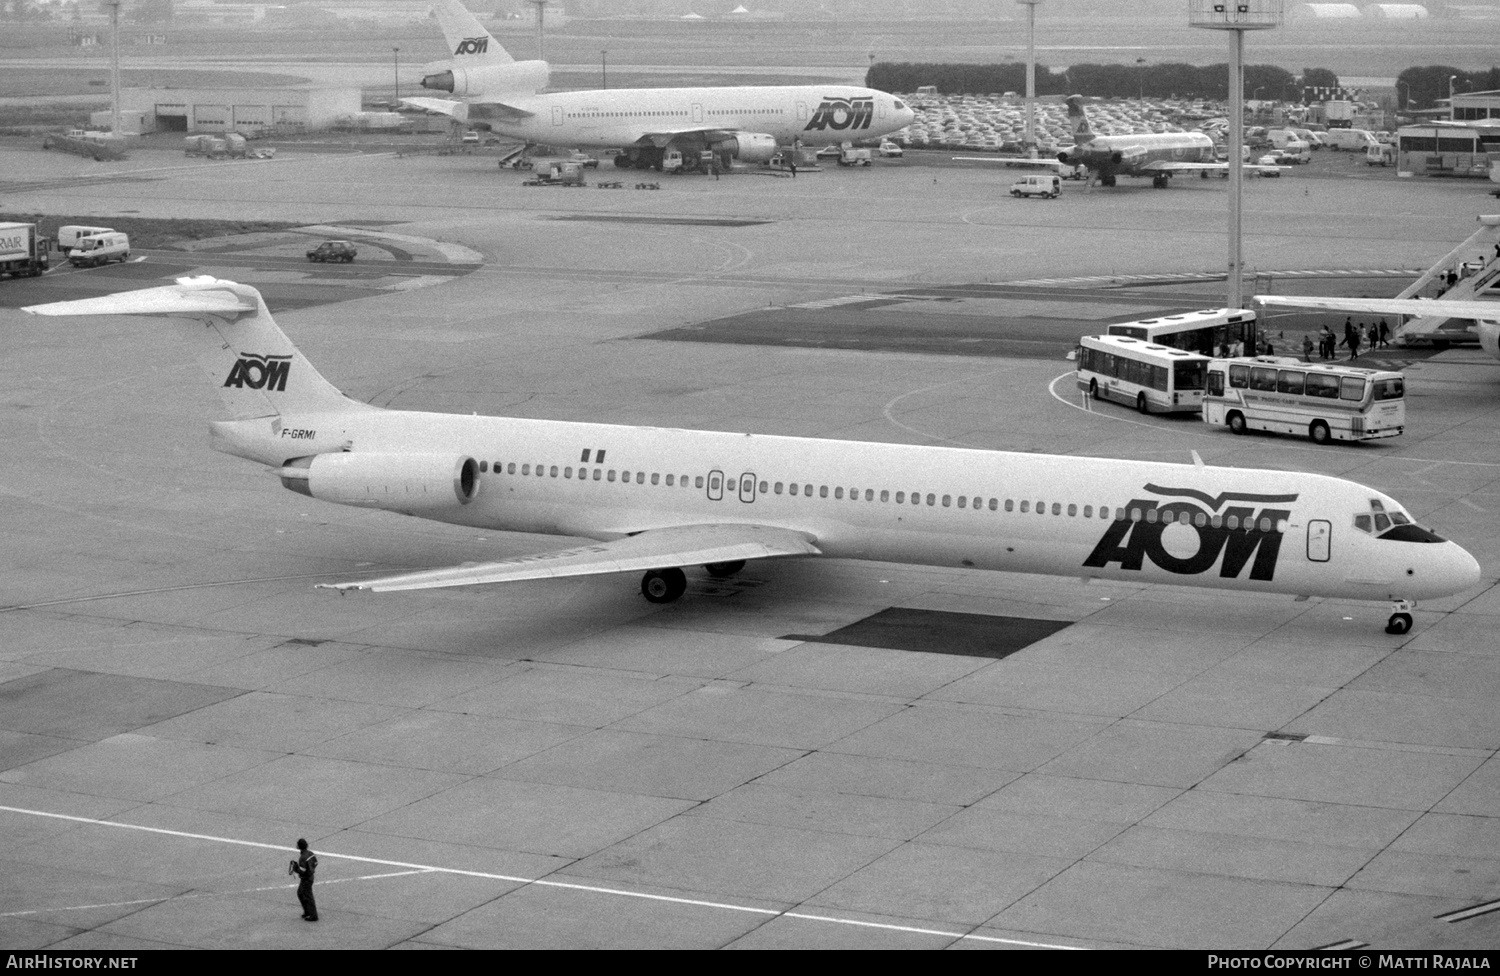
(1354, 140)
(1293, 149)
(68, 235)
(96, 249)
(1047, 185)
(1380, 155)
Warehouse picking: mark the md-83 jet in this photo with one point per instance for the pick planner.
(1158, 155)
(656, 500)
(744, 122)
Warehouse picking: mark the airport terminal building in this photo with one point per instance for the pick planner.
(252, 111)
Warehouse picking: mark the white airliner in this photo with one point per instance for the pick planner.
(744, 122)
(654, 500)
(1159, 155)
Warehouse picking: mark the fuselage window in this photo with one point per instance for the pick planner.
(807, 490)
(484, 466)
(1088, 511)
(499, 468)
(931, 500)
(655, 478)
(792, 488)
(1216, 521)
(838, 493)
(869, 494)
(763, 486)
(640, 477)
(1152, 515)
(1025, 506)
(1072, 510)
(778, 487)
(526, 469)
(1265, 525)
(611, 476)
(885, 496)
(552, 472)
(994, 504)
(510, 468)
(1057, 508)
(1200, 520)
(1135, 515)
(822, 491)
(670, 480)
(1104, 512)
(598, 473)
(697, 482)
(567, 472)
(963, 501)
(900, 498)
(1010, 504)
(1232, 522)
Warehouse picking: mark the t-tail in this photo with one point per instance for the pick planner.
(268, 386)
(477, 66)
(1078, 121)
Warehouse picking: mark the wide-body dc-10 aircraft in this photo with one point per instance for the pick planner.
(743, 122)
(654, 500)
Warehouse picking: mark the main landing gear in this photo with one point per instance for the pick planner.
(666, 585)
(1400, 622)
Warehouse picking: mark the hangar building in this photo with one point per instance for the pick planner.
(252, 111)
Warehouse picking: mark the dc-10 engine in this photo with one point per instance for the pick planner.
(518, 77)
(747, 147)
(415, 484)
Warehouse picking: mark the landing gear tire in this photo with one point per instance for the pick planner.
(1106, 181)
(1141, 406)
(1317, 432)
(1400, 623)
(1093, 389)
(1237, 423)
(663, 585)
(1159, 182)
(724, 570)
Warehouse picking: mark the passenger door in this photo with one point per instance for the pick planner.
(1319, 540)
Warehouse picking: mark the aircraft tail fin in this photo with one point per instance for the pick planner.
(1078, 120)
(257, 370)
(468, 41)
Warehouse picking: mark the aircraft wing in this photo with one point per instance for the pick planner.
(1170, 166)
(1019, 162)
(1486, 311)
(653, 549)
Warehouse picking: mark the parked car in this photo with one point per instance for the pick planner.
(1048, 186)
(471, 137)
(332, 251)
(889, 149)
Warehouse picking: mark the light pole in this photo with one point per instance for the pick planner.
(1030, 73)
(1403, 102)
(604, 69)
(395, 78)
(114, 66)
(1140, 79)
(540, 6)
(1451, 79)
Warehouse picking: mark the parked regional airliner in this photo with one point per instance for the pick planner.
(656, 499)
(744, 122)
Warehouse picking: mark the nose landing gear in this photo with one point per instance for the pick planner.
(1400, 622)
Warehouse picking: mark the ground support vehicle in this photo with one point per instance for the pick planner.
(22, 250)
(1048, 186)
(1150, 377)
(342, 251)
(96, 249)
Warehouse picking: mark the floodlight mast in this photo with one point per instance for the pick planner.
(1030, 137)
(1236, 18)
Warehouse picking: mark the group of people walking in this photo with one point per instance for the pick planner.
(1356, 337)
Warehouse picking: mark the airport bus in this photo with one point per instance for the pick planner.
(1150, 377)
(1207, 332)
(1323, 401)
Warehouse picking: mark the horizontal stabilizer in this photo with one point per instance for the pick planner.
(188, 297)
(1485, 311)
(688, 545)
(443, 106)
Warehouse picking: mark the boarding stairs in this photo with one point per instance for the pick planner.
(1477, 263)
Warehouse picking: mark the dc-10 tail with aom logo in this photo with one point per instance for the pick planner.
(655, 500)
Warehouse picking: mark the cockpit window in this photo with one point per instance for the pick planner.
(1395, 526)
(900, 107)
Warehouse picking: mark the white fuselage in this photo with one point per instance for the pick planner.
(1059, 515)
(1151, 147)
(812, 114)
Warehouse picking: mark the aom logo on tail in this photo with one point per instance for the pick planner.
(843, 113)
(472, 45)
(1078, 120)
(1186, 538)
(260, 372)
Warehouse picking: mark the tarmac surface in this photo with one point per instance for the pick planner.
(813, 754)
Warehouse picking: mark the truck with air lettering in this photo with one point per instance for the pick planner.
(23, 251)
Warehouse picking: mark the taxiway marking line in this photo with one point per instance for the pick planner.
(543, 882)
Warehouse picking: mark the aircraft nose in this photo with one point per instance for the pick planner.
(1461, 569)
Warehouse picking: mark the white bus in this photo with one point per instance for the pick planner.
(1207, 331)
(1149, 377)
(1288, 396)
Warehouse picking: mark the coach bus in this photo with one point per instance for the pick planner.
(1150, 377)
(1322, 401)
(1209, 332)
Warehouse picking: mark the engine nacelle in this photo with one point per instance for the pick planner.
(410, 483)
(1489, 337)
(516, 78)
(748, 147)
